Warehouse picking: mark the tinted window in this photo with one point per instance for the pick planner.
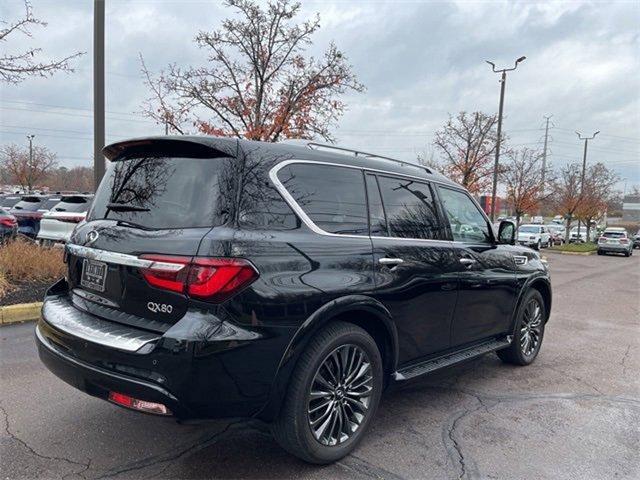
(529, 229)
(332, 197)
(73, 204)
(9, 202)
(410, 209)
(466, 221)
(166, 192)
(49, 203)
(614, 234)
(377, 219)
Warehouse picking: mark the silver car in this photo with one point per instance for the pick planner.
(58, 223)
(615, 240)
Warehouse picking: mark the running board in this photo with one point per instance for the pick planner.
(451, 359)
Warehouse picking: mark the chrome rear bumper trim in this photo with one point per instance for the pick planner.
(63, 316)
(121, 258)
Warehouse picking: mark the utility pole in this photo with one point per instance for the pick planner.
(544, 150)
(98, 91)
(503, 81)
(584, 169)
(30, 138)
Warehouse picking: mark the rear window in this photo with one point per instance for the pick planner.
(49, 203)
(163, 192)
(527, 229)
(614, 234)
(72, 204)
(28, 204)
(332, 197)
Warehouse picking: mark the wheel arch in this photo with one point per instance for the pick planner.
(361, 310)
(542, 285)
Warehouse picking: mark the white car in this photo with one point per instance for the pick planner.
(58, 223)
(581, 237)
(535, 236)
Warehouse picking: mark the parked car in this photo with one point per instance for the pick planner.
(218, 277)
(615, 240)
(57, 224)
(537, 220)
(29, 210)
(8, 201)
(558, 219)
(581, 236)
(636, 240)
(557, 233)
(534, 236)
(8, 226)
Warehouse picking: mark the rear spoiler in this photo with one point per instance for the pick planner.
(173, 146)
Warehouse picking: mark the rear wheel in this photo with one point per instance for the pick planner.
(538, 245)
(333, 395)
(600, 252)
(529, 331)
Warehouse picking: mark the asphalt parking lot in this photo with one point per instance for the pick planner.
(573, 414)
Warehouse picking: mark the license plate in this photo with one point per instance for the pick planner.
(94, 274)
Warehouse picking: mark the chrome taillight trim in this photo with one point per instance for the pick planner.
(121, 258)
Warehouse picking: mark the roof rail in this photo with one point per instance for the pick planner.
(358, 153)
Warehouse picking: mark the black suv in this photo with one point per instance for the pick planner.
(217, 277)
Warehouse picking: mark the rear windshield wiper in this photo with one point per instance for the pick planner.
(123, 207)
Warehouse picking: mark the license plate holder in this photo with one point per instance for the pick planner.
(94, 274)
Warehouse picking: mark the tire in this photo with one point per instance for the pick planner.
(293, 430)
(538, 245)
(519, 352)
(627, 254)
(600, 252)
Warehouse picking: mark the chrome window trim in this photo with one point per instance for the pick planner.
(120, 258)
(273, 175)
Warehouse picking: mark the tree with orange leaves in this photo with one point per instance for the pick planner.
(467, 143)
(596, 193)
(522, 177)
(258, 83)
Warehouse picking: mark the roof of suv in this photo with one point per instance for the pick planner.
(274, 153)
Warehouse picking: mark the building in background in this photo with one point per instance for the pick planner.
(631, 208)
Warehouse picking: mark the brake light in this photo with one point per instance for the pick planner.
(137, 404)
(8, 221)
(602, 239)
(624, 240)
(211, 279)
(74, 219)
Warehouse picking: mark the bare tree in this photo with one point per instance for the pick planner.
(75, 178)
(258, 83)
(522, 177)
(596, 193)
(468, 144)
(566, 193)
(24, 169)
(16, 67)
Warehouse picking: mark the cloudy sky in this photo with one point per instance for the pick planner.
(420, 61)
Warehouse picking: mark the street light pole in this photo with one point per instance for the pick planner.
(98, 91)
(30, 138)
(584, 169)
(503, 81)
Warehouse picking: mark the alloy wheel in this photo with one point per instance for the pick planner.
(340, 393)
(531, 328)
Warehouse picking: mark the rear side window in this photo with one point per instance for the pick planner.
(166, 192)
(411, 211)
(467, 223)
(73, 204)
(332, 197)
(377, 219)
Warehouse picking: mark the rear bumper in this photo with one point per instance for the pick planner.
(201, 367)
(614, 248)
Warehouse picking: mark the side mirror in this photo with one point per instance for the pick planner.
(507, 232)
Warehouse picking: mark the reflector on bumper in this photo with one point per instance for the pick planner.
(137, 404)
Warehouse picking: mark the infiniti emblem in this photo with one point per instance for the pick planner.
(91, 237)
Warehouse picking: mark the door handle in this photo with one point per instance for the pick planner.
(390, 261)
(467, 262)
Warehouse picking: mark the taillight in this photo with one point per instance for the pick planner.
(75, 219)
(602, 239)
(624, 240)
(211, 279)
(8, 221)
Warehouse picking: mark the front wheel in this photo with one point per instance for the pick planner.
(538, 245)
(529, 331)
(333, 395)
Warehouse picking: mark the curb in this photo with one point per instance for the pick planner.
(592, 252)
(22, 312)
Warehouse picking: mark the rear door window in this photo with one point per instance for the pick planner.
(332, 197)
(166, 192)
(410, 208)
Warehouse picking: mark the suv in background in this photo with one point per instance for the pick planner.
(576, 236)
(57, 224)
(636, 240)
(217, 277)
(557, 233)
(615, 240)
(29, 210)
(535, 236)
(8, 226)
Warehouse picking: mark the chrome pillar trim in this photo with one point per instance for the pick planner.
(121, 258)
